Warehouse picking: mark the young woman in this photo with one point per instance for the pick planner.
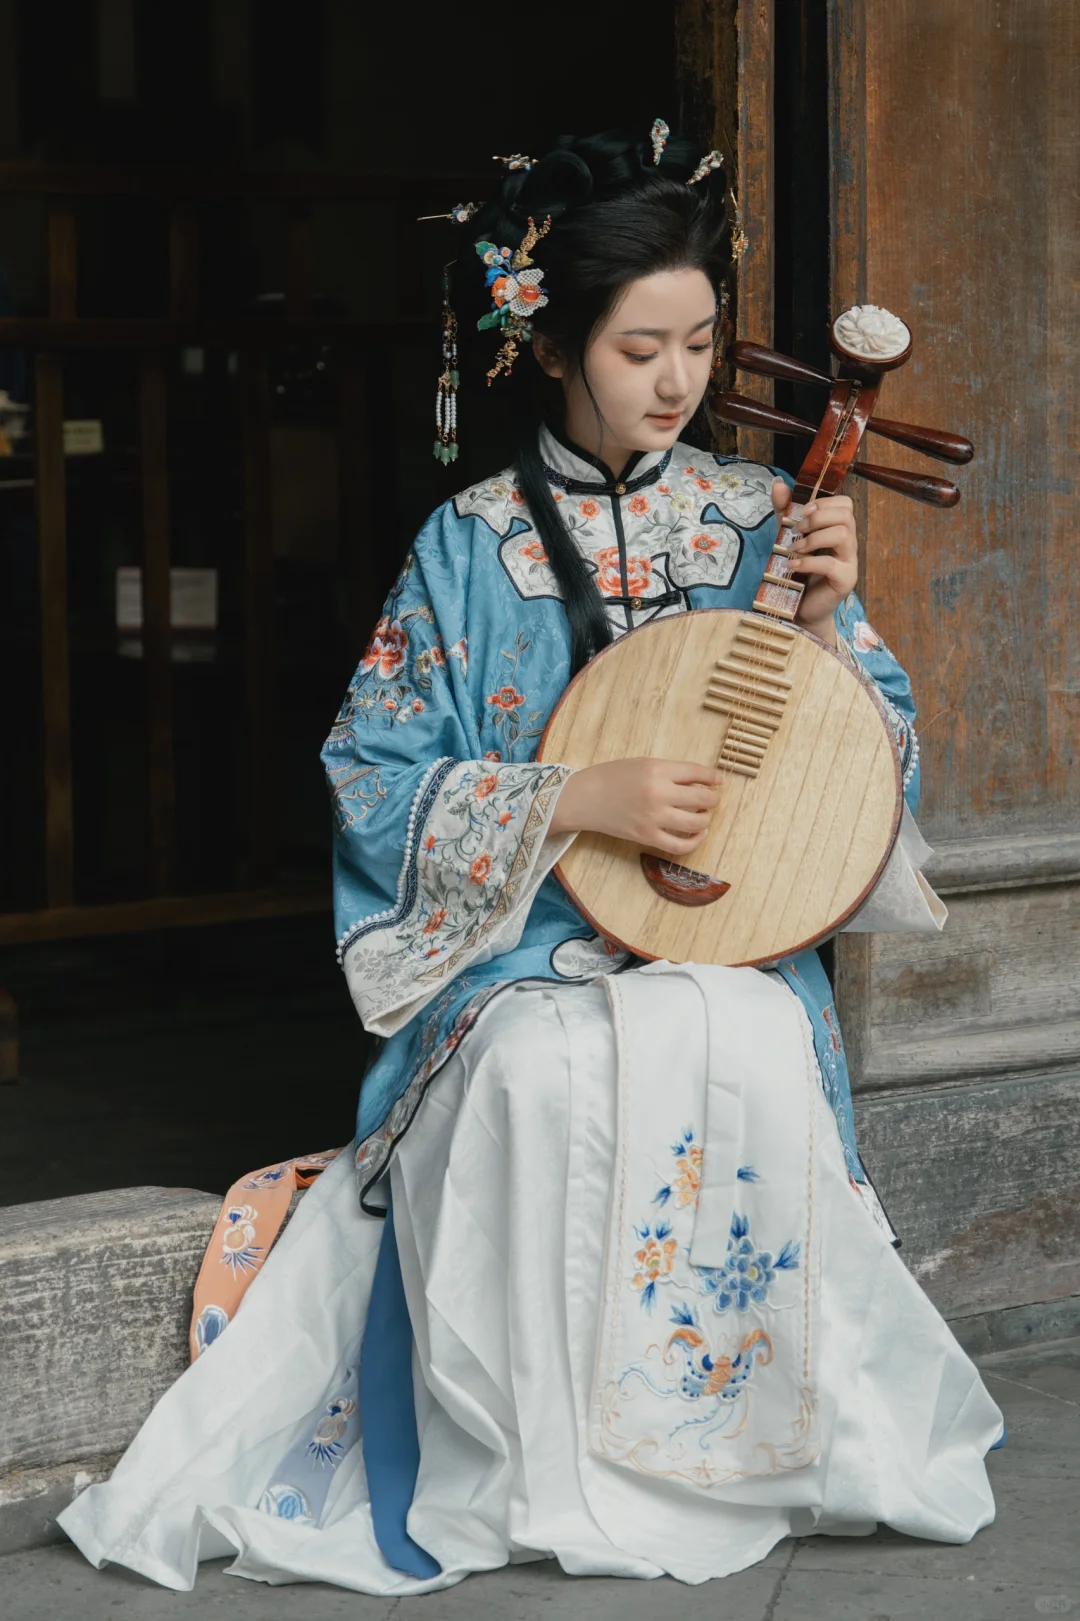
(617, 1289)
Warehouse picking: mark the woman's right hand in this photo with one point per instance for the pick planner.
(663, 804)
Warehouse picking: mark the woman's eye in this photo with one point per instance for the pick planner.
(700, 348)
(638, 358)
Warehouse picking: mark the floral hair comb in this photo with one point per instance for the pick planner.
(516, 293)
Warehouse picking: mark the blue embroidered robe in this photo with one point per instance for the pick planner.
(443, 891)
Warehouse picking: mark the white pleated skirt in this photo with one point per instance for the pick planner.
(584, 1391)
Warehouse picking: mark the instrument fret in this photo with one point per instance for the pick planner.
(749, 687)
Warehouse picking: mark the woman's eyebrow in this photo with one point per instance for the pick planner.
(662, 331)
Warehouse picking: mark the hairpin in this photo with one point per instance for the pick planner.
(461, 213)
(517, 160)
(658, 135)
(516, 293)
(711, 160)
(739, 239)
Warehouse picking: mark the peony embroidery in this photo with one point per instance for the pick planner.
(486, 786)
(637, 504)
(654, 1261)
(534, 552)
(480, 869)
(386, 650)
(589, 508)
(609, 573)
(704, 543)
(436, 920)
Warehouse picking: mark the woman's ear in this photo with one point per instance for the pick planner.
(547, 355)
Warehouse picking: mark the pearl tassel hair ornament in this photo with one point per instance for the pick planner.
(446, 445)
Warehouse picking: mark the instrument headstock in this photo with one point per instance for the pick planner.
(867, 341)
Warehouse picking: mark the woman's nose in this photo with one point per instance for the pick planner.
(674, 381)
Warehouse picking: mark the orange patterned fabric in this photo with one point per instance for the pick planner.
(250, 1220)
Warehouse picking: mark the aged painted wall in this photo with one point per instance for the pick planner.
(955, 131)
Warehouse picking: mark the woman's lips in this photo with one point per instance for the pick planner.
(665, 419)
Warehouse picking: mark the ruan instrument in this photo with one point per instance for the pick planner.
(812, 797)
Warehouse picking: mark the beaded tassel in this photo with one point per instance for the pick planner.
(446, 445)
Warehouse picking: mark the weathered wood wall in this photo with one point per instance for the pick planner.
(954, 194)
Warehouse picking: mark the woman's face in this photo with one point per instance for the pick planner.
(648, 366)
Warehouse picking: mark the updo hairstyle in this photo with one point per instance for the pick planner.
(615, 217)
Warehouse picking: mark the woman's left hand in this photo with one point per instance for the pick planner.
(828, 552)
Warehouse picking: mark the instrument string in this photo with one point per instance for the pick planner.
(756, 658)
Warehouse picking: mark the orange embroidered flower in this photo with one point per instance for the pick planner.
(654, 1261)
(558, 495)
(589, 508)
(704, 543)
(390, 703)
(504, 817)
(437, 655)
(608, 577)
(637, 504)
(663, 489)
(386, 648)
(436, 951)
(534, 551)
(480, 868)
(506, 698)
(435, 921)
(517, 498)
(487, 786)
(703, 483)
(688, 1182)
(638, 576)
(429, 842)
(689, 471)
(418, 705)
(492, 754)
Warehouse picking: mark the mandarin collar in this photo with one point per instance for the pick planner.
(578, 472)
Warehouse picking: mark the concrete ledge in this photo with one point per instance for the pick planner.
(95, 1300)
(31, 1499)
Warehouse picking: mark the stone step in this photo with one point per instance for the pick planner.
(95, 1301)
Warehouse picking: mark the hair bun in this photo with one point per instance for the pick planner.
(560, 181)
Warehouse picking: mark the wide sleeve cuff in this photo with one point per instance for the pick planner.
(902, 902)
(476, 851)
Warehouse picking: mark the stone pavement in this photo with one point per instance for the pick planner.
(1027, 1564)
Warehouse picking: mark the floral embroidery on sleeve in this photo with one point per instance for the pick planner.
(473, 857)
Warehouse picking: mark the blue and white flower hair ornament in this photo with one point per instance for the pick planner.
(517, 292)
(658, 135)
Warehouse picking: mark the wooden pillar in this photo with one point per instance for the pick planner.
(965, 1048)
(724, 58)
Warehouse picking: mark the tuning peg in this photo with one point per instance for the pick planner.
(937, 492)
(943, 447)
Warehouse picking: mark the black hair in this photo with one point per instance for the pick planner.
(616, 216)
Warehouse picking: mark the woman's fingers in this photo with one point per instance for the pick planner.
(695, 796)
(689, 771)
(837, 537)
